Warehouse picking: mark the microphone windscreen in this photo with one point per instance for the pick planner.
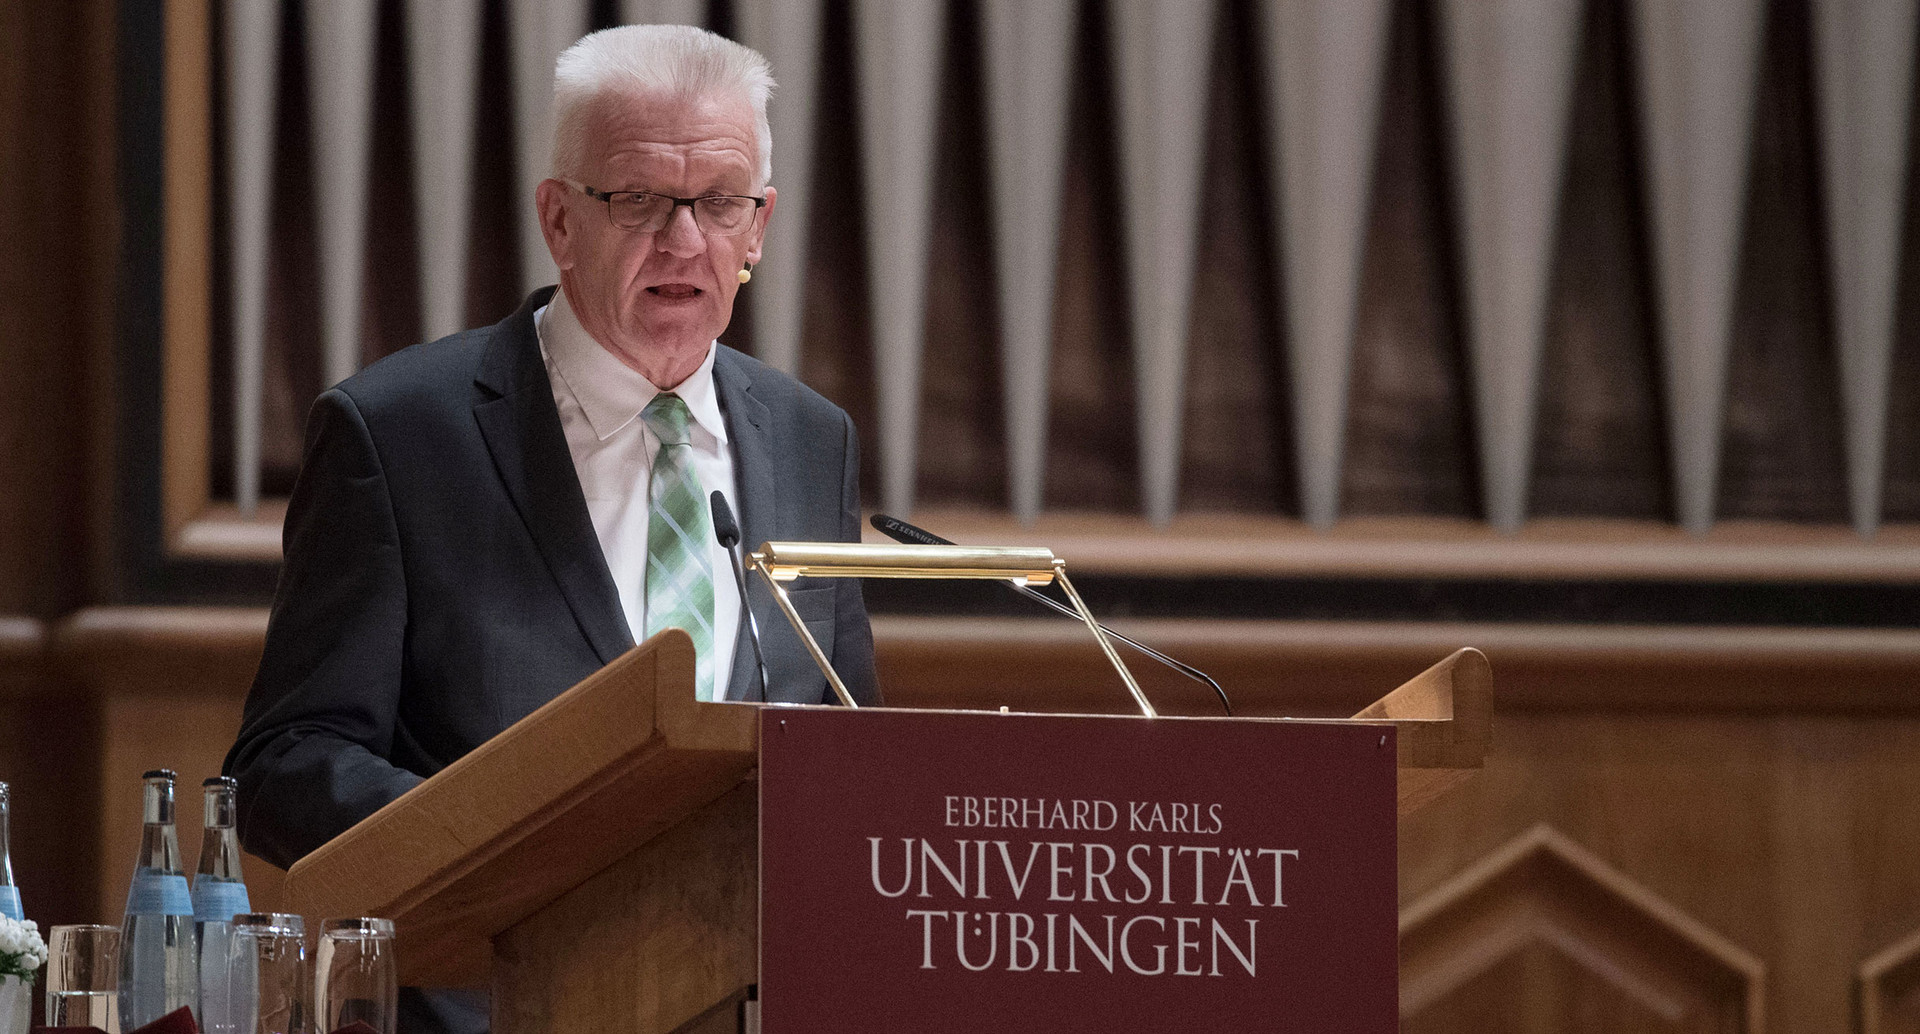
(902, 532)
(725, 529)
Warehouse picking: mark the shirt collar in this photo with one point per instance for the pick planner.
(610, 392)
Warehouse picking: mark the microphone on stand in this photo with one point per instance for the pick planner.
(900, 531)
(726, 531)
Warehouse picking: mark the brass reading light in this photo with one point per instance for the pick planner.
(780, 562)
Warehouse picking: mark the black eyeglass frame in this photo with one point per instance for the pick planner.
(607, 196)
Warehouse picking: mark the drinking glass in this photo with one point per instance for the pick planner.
(83, 977)
(266, 990)
(354, 975)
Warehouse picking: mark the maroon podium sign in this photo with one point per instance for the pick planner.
(948, 872)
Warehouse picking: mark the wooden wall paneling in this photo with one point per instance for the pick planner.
(1698, 69)
(168, 686)
(899, 44)
(340, 53)
(1577, 549)
(393, 315)
(1236, 435)
(1333, 668)
(1543, 889)
(963, 445)
(187, 260)
(663, 12)
(1890, 988)
(493, 259)
(252, 63)
(1750, 778)
(1785, 830)
(1161, 49)
(1409, 438)
(540, 30)
(1864, 57)
(837, 335)
(292, 363)
(1600, 440)
(1901, 491)
(1783, 442)
(58, 217)
(787, 33)
(18, 313)
(1510, 71)
(443, 55)
(1901, 501)
(47, 747)
(1029, 51)
(1092, 439)
(1325, 65)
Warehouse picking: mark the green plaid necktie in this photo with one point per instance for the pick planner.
(679, 567)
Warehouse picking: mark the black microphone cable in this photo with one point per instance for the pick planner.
(900, 531)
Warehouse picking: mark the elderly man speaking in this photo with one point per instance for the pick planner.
(482, 521)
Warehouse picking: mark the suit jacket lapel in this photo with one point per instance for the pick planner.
(749, 427)
(522, 431)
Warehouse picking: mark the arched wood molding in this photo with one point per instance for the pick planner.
(1542, 888)
(1889, 985)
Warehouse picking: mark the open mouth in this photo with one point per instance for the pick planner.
(674, 292)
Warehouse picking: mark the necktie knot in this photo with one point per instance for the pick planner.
(668, 417)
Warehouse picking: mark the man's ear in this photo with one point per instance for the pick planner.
(760, 232)
(550, 201)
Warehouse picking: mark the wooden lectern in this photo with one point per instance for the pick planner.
(597, 864)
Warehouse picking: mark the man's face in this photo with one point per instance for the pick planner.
(656, 299)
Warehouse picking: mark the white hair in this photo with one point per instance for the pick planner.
(649, 61)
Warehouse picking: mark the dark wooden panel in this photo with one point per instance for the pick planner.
(390, 279)
(1601, 423)
(1784, 458)
(57, 213)
(836, 350)
(493, 255)
(291, 363)
(1754, 781)
(1787, 835)
(1409, 430)
(1238, 445)
(1902, 500)
(1600, 438)
(48, 738)
(1092, 445)
(1541, 988)
(963, 452)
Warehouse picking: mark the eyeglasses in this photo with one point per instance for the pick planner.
(641, 211)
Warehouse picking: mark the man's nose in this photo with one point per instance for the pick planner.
(681, 236)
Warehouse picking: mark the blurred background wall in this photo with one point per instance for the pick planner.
(1320, 336)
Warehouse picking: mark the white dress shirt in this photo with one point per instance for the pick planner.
(600, 399)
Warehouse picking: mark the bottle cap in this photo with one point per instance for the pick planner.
(161, 773)
(220, 781)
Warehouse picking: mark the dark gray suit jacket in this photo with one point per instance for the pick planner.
(442, 578)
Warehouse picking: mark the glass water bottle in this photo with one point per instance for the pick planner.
(158, 972)
(219, 894)
(9, 894)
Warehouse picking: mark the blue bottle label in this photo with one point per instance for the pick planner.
(157, 893)
(217, 901)
(10, 902)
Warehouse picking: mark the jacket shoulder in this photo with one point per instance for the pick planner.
(781, 391)
(434, 372)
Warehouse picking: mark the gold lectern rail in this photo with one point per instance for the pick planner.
(1033, 565)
